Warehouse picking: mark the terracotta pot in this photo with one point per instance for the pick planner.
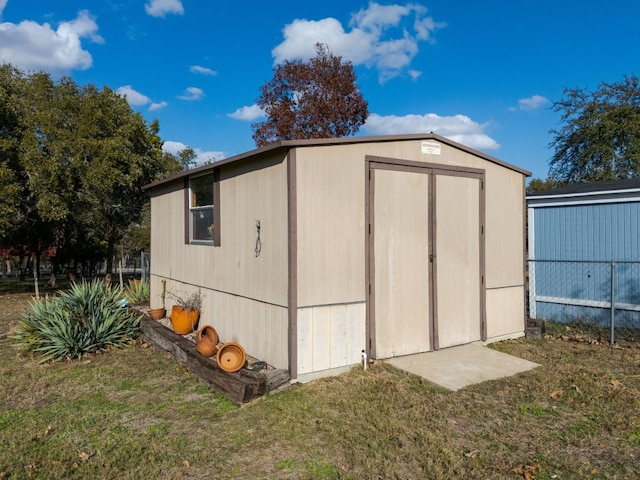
(231, 357)
(207, 341)
(183, 321)
(156, 313)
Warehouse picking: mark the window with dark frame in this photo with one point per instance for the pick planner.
(201, 209)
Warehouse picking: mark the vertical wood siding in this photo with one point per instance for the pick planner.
(330, 337)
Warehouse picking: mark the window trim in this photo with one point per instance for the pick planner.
(215, 242)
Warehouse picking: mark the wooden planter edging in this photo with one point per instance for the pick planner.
(239, 387)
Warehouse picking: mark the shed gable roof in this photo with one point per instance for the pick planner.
(290, 144)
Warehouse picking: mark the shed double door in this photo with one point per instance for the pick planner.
(425, 259)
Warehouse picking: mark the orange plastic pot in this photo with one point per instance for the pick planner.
(207, 341)
(231, 357)
(183, 321)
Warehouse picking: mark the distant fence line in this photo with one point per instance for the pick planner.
(597, 297)
(136, 265)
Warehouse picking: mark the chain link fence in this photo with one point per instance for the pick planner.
(132, 266)
(596, 300)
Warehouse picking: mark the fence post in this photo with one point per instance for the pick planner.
(532, 289)
(612, 338)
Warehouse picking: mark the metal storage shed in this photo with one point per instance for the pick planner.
(309, 252)
(583, 238)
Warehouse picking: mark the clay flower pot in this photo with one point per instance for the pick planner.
(183, 321)
(207, 341)
(231, 357)
(156, 313)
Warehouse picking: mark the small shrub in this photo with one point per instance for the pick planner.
(86, 318)
(137, 291)
(188, 301)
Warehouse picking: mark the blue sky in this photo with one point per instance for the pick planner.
(482, 73)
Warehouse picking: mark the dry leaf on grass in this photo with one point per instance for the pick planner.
(46, 433)
(85, 456)
(616, 384)
(527, 471)
(556, 394)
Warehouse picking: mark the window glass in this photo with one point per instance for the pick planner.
(202, 191)
(201, 209)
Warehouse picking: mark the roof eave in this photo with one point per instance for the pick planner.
(289, 144)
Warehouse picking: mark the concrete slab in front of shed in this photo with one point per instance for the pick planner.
(458, 367)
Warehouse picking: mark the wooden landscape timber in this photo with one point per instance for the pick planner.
(240, 387)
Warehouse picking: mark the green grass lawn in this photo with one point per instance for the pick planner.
(135, 413)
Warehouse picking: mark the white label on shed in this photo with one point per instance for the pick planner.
(432, 148)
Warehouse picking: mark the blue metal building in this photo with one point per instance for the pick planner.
(584, 252)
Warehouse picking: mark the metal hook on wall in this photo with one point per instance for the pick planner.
(258, 241)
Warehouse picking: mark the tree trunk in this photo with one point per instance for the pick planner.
(110, 248)
(37, 265)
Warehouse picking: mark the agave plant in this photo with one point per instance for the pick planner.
(137, 291)
(86, 318)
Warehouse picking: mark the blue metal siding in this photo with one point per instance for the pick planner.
(580, 241)
(588, 232)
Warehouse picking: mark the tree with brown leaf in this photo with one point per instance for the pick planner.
(314, 99)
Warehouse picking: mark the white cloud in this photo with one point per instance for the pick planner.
(380, 36)
(173, 147)
(159, 8)
(532, 103)
(202, 70)
(192, 93)
(377, 17)
(31, 46)
(3, 3)
(249, 113)
(134, 98)
(414, 74)
(157, 106)
(202, 156)
(458, 128)
(137, 99)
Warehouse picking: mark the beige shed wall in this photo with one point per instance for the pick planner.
(330, 337)
(245, 296)
(331, 190)
(505, 311)
(331, 259)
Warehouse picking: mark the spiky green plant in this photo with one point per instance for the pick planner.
(137, 291)
(86, 318)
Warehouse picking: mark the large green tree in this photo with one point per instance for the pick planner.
(600, 136)
(12, 183)
(314, 99)
(22, 228)
(80, 157)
